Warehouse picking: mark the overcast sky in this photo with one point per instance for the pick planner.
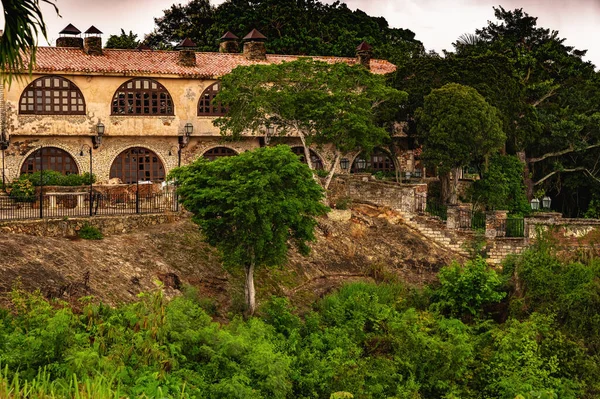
(437, 23)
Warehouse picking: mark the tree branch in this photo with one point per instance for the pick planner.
(563, 152)
(578, 169)
(545, 97)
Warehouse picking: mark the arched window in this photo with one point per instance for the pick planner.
(52, 95)
(142, 96)
(218, 152)
(378, 161)
(137, 164)
(50, 158)
(314, 158)
(206, 107)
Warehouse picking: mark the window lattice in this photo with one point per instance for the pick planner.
(218, 152)
(50, 158)
(206, 107)
(379, 161)
(142, 97)
(137, 164)
(52, 95)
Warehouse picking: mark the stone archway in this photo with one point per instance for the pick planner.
(378, 161)
(137, 164)
(219, 152)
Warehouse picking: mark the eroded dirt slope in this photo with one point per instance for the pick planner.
(374, 245)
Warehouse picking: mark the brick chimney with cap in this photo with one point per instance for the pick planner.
(70, 36)
(228, 43)
(187, 55)
(92, 44)
(254, 46)
(364, 52)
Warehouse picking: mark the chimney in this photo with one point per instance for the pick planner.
(92, 44)
(187, 55)
(70, 37)
(363, 54)
(228, 43)
(254, 46)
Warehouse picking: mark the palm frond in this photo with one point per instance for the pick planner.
(24, 22)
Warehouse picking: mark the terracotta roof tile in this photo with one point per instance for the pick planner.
(135, 62)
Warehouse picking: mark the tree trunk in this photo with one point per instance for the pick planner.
(445, 187)
(306, 152)
(529, 186)
(249, 291)
(336, 159)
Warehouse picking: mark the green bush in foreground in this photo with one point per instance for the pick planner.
(366, 340)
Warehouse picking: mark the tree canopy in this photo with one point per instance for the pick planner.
(457, 126)
(306, 27)
(338, 104)
(251, 205)
(123, 41)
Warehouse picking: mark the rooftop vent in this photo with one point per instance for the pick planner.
(254, 46)
(92, 44)
(187, 55)
(70, 36)
(228, 43)
(364, 52)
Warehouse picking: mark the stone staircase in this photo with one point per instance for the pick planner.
(433, 229)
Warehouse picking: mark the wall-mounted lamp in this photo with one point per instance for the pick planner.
(535, 204)
(97, 139)
(546, 201)
(344, 163)
(184, 137)
(408, 175)
(361, 164)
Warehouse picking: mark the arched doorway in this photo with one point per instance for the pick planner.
(314, 158)
(137, 164)
(219, 152)
(378, 161)
(50, 158)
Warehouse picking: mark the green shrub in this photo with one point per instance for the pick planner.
(53, 178)
(22, 189)
(88, 232)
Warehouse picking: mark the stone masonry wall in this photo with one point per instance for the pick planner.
(108, 225)
(361, 188)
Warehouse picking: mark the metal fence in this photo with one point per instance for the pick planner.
(513, 227)
(135, 199)
(471, 220)
(431, 206)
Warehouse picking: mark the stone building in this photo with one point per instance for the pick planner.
(136, 113)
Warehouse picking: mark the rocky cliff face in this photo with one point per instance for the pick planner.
(374, 244)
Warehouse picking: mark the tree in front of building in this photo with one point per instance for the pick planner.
(251, 206)
(457, 126)
(123, 41)
(324, 104)
(23, 21)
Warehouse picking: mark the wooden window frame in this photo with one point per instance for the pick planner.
(375, 163)
(144, 97)
(127, 166)
(206, 107)
(219, 152)
(52, 95)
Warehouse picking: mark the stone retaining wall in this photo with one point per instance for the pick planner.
(68, 227)
(362, 188)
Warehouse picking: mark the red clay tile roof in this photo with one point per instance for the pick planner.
(135, 63)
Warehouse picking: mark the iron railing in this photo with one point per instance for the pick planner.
(431, 206)
(513, 227)
(136, 199)
(471, 220)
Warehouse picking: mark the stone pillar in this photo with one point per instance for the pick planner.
(495, 221)
(187, 58)
(69, 41)
(453, 215)
(255, 50)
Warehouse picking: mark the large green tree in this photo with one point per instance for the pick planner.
(338, 104)
(457, 126)
(23, 22)
(251, 206)
(556, 125)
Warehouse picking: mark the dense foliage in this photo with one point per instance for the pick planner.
(123, 41)
(459, 339)
(306, 27)
(25, 185)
